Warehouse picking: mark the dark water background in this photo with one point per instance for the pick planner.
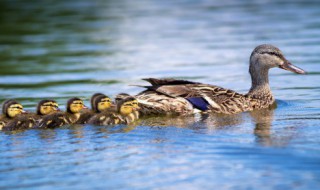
(61, 49)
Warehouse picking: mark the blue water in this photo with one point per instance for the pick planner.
(61, 49)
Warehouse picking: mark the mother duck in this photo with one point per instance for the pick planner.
(170, 96)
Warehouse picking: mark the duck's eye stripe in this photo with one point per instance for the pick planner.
(271, 53)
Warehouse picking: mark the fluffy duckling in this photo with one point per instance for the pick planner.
(122, 114)
(70, 116)
(135, 103)
(46, 107)
(10, 110)
(99, 103)
(25, 121)
(95, 95)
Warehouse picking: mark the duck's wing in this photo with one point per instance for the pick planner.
(222, 100)
(204, 97)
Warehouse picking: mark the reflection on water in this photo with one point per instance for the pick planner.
(60, 49)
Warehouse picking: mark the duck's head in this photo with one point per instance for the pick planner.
(75, 105)
(92, 104)
(12, 108)
(46, 107)
(101, 103)
(127, 105)
(265, 57)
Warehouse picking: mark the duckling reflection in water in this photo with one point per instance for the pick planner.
(30, 120)
(99, 102)
(123, 114)
(70, 116)
(10, 110)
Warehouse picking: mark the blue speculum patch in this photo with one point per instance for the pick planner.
(199, 103)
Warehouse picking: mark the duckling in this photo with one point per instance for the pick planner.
(70, 116)
(30, 120)
(122, 114)
(170, 96)
(46, 107)
(99, 103)
(92, 99)
(10, 110)
(135, 103)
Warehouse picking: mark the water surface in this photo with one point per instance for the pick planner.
(62, 49)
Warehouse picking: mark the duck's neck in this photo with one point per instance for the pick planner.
(260, 83)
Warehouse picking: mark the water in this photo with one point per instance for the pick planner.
(61, 49)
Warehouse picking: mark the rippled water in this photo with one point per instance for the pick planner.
(61, 49)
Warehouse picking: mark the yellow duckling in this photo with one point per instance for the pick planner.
(30, 120)
(135, 103)
(10, 110)
(122, 115)
(99, 103)
(70, 116)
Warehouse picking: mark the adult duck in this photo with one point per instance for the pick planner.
(170, 96)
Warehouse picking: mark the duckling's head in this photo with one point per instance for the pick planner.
(92, 104)
(120, 97)
(101, 103)
(127, 105)
(46, 107)
(12, 108)
(265, 57)
(75, 105)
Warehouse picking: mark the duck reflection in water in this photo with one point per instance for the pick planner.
(262, 120)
